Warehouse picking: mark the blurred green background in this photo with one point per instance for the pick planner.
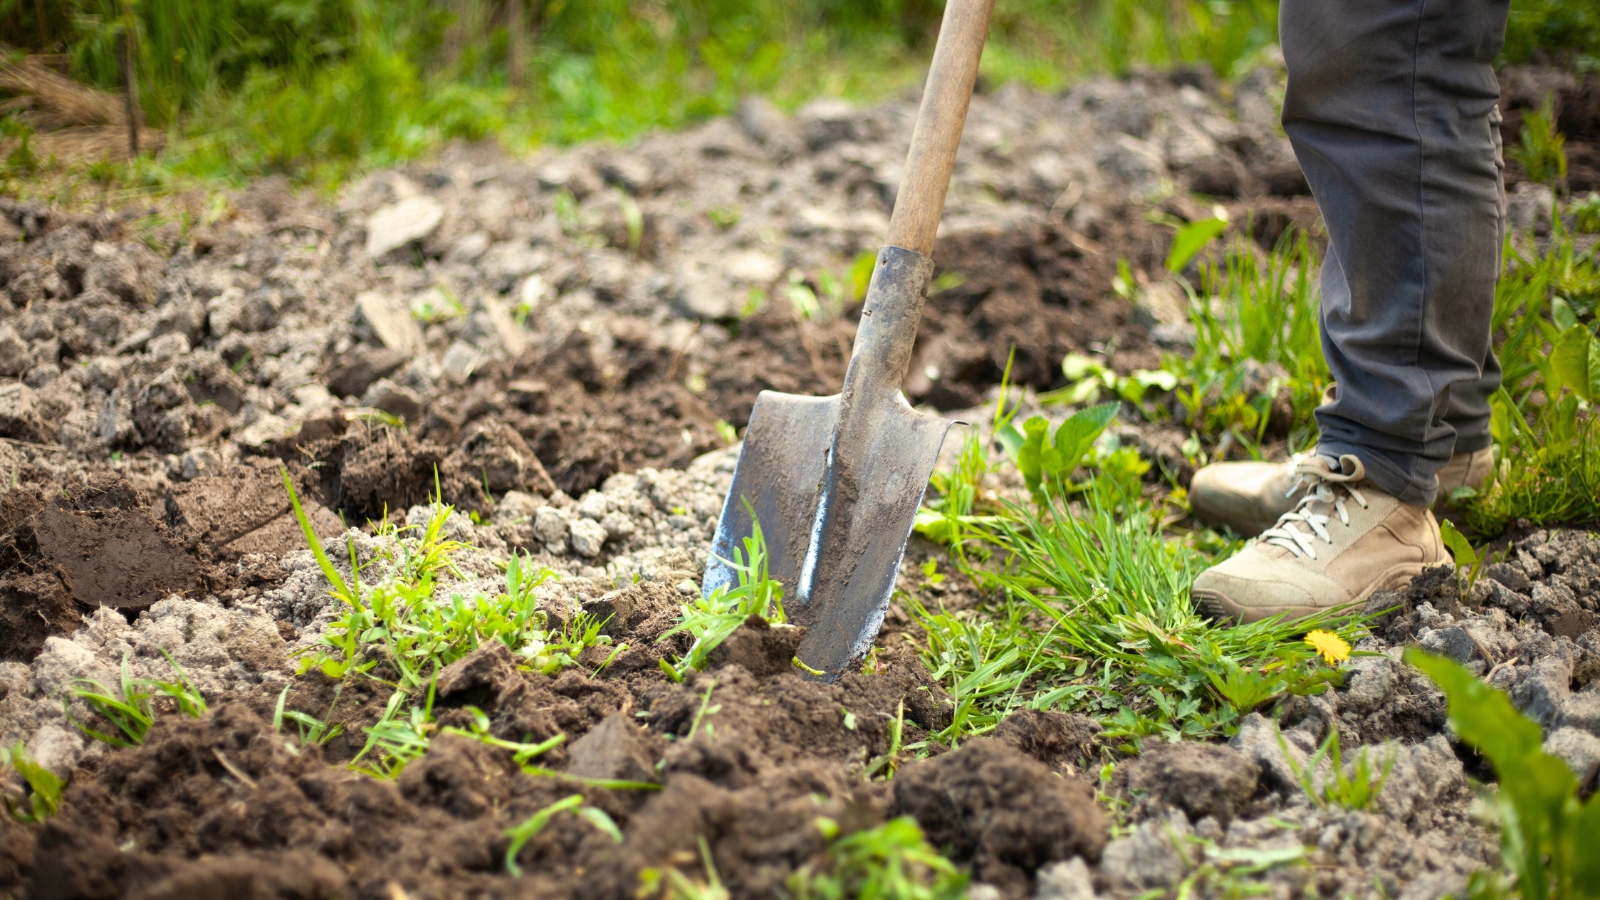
(313, 88)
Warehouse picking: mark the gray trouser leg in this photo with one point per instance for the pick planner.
(1391, 111)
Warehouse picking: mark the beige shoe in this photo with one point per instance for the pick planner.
(1344, 540)
(1250, 496)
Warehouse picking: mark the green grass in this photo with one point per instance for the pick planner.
(44, 787)
(318, 89)
(890, 862)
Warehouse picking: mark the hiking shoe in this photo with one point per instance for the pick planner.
(1344, 540)
(1250, 496)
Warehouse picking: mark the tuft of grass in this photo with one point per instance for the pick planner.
(530, 827)
(1348, 787)
(129, 706)
(1249, 314)
(1540, 149)
(710, 620)
(892, 862)
(44, 787)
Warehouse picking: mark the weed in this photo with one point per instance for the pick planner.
(672, 884)
(1249, 315)
(1586, 214)
(44, 787)
(711, 619)
(1469, 562)
(1355, 789)
(1547, 832)
(312, 730)
(1226, 872)
(524, 832)
(1540, 151)
(890, 862)
(1191, 239)
(129, 707)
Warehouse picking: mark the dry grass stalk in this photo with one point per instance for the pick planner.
(49, 100)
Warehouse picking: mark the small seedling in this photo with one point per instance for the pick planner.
(44, 788)
(890, 861)
(1469, 562)
(712, 619)
(1355, 790)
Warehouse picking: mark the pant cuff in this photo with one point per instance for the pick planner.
(1472, 444)
(1387, 473)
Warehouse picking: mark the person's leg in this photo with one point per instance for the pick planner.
(1390, 108)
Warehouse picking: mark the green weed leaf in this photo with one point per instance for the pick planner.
(1191, 239)
(1576, 361)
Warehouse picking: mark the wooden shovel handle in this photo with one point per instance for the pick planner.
(944, 111)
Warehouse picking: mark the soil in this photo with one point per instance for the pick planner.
(491, 331)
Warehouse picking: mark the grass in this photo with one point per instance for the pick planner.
(44, 787)
(318, 89)
(890, 862)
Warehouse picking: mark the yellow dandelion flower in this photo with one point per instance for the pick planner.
(1330, 646)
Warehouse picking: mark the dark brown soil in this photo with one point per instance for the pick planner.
(226, 806)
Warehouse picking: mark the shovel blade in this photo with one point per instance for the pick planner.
(835, 534)
(778, 477)
(871, 490)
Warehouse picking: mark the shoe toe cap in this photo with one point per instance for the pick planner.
(1250, 587)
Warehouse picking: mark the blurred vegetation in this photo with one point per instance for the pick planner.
(312, 88)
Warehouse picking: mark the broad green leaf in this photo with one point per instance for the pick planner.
(1576, 361)
(1460, 548)
(1030, 456)
(1077, 434)
(1191, 239)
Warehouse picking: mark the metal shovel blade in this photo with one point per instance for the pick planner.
(836, 481)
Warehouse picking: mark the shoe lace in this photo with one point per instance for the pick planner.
(1326, 497)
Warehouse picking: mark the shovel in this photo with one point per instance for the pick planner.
(834, 482)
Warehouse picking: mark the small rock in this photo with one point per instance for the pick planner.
(550, 526)
(1580, 750)
(14, 356)
(19, 412)
(1582, 710)
(389, 322)
(393, 399)
(199, 461)
(398, 224)
(587, 536)
(1068, 880)
(468, 248)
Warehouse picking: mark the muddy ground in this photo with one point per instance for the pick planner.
(560, 346)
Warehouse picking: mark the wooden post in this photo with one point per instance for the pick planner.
(516, 47)
(127, 49)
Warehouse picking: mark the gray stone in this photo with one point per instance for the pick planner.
(468, 249)
(389, 322)
(550, 526)
(1371, 681)
(1069, 880)
(1542, 692)
(1582, 710)
(393, 399)
(1454, 642)
(700, 291)
(398, 224)
(19, 412)
(14, 356)
(198, 461)
(1148, 858)
(1580, 750)
(587, 537)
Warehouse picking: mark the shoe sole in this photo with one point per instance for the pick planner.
(1218, 608)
